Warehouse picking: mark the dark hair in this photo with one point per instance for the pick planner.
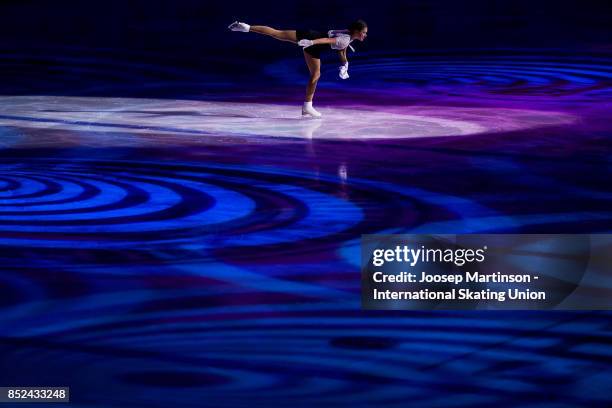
(357, 25)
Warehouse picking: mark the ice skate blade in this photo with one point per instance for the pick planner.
(311, 116)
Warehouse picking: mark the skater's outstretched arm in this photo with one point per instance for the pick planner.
(309, 43)
(337, 43)
(323, 41)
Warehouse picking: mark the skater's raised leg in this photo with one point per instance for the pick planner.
(282, 35)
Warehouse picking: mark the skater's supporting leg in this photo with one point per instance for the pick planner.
(314, 66)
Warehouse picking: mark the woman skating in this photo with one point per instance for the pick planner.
(313, 43)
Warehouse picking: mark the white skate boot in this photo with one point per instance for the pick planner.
(309, 111)
(238, 26)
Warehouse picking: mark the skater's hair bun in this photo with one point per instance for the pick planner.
(357, 25)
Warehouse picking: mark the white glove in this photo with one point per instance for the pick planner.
(305, 43)
(344, 71)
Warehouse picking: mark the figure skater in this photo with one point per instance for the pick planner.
(313, 43)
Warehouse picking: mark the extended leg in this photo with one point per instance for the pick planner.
(283, 35)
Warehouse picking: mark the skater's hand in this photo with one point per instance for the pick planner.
(343, 71)
(305, 43)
